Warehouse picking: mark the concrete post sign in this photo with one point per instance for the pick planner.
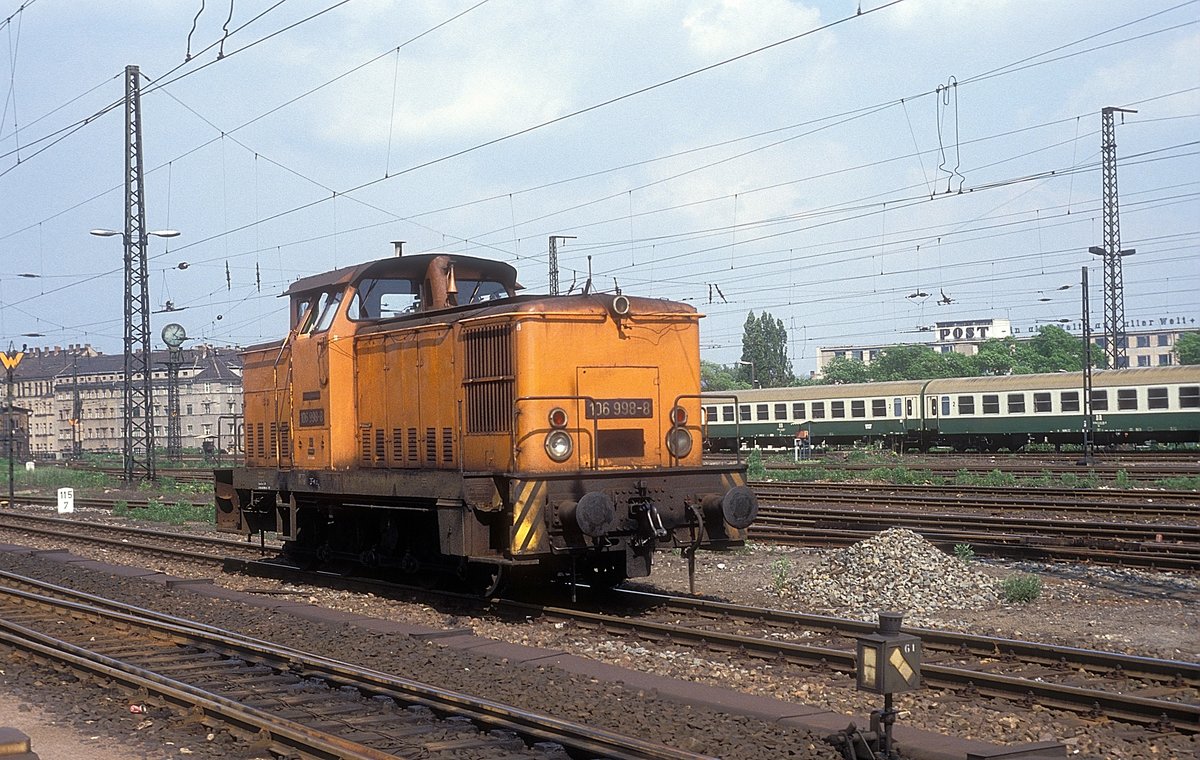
(66, 501)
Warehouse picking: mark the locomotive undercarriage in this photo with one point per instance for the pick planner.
(597, 529)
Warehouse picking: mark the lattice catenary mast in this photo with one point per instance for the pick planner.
(138, 398)
(1114, 288)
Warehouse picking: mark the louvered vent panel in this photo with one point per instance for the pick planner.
(412, 446)
(448, 445)
(380, 445)
(274, 440)
(365, 446)
(397, 445)
(488, 378)
(430, 445)
(249, 440)
(261, 442)
(285, 440)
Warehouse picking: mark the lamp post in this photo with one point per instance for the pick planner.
(137, 335)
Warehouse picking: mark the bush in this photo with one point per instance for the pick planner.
(754, 466)
(1022, 588)
(782, 569)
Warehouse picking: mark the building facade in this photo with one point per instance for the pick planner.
(75, 398)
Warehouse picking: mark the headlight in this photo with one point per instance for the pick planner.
(679, 442)
(679, 416)
(558, 445)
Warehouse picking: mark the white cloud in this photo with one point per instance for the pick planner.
(728, 27)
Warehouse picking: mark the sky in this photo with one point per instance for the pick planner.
(843, 166)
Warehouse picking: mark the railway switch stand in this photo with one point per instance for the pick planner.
(888, 662)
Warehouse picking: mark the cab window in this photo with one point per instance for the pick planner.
(478, 291)
(384, 298)
(326, 311)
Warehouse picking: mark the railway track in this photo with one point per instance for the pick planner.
(1130, 504)
(1140, 690)
(1098, 685)
(818, 515)
(285, 700)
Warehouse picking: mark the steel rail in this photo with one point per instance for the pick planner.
(1102, 498)
(530, 724)
(1126, 707)
(1164, 556)
(1129, 708)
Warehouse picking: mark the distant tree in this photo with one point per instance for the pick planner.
(718, 377)
(955, 364)
(996, 356)
(764, 353)
(1187, 348)
(841, 370)
(1053, 349)
(909, 362)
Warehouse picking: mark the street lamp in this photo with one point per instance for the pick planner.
(753, 375)
(155, 233)
(139, 399)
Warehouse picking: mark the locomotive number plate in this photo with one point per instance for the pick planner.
(619, 408)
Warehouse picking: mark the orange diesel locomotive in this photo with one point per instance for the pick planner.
(422, 415)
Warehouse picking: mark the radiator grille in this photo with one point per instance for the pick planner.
(488, 378)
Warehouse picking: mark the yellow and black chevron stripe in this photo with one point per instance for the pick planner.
(731, 479)
(529, 520)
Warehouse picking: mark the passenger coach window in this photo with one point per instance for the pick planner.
(744, 412)
(897, 409)
(1189, 397)
(858, 408)
(837, 408)
(798, 411)
(710, 414)
(818, 410)
(1099, 401)
(1156, 398)
(1016, 403)
(727, 414)
(781, 411)
(879, 407)
(945, 406)
(1127, 398)
(762, 411)
(991, 404)
(1041, 403)
(966, 404)
(1069, 401)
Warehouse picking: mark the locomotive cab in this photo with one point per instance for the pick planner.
(422, 414)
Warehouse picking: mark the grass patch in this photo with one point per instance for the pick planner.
(781, 570)
(964, 552)
(1021, 588)
(172, 514)
(1180, 483)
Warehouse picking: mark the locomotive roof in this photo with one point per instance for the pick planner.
(405, 266)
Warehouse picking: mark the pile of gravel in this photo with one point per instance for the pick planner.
(893, 570)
